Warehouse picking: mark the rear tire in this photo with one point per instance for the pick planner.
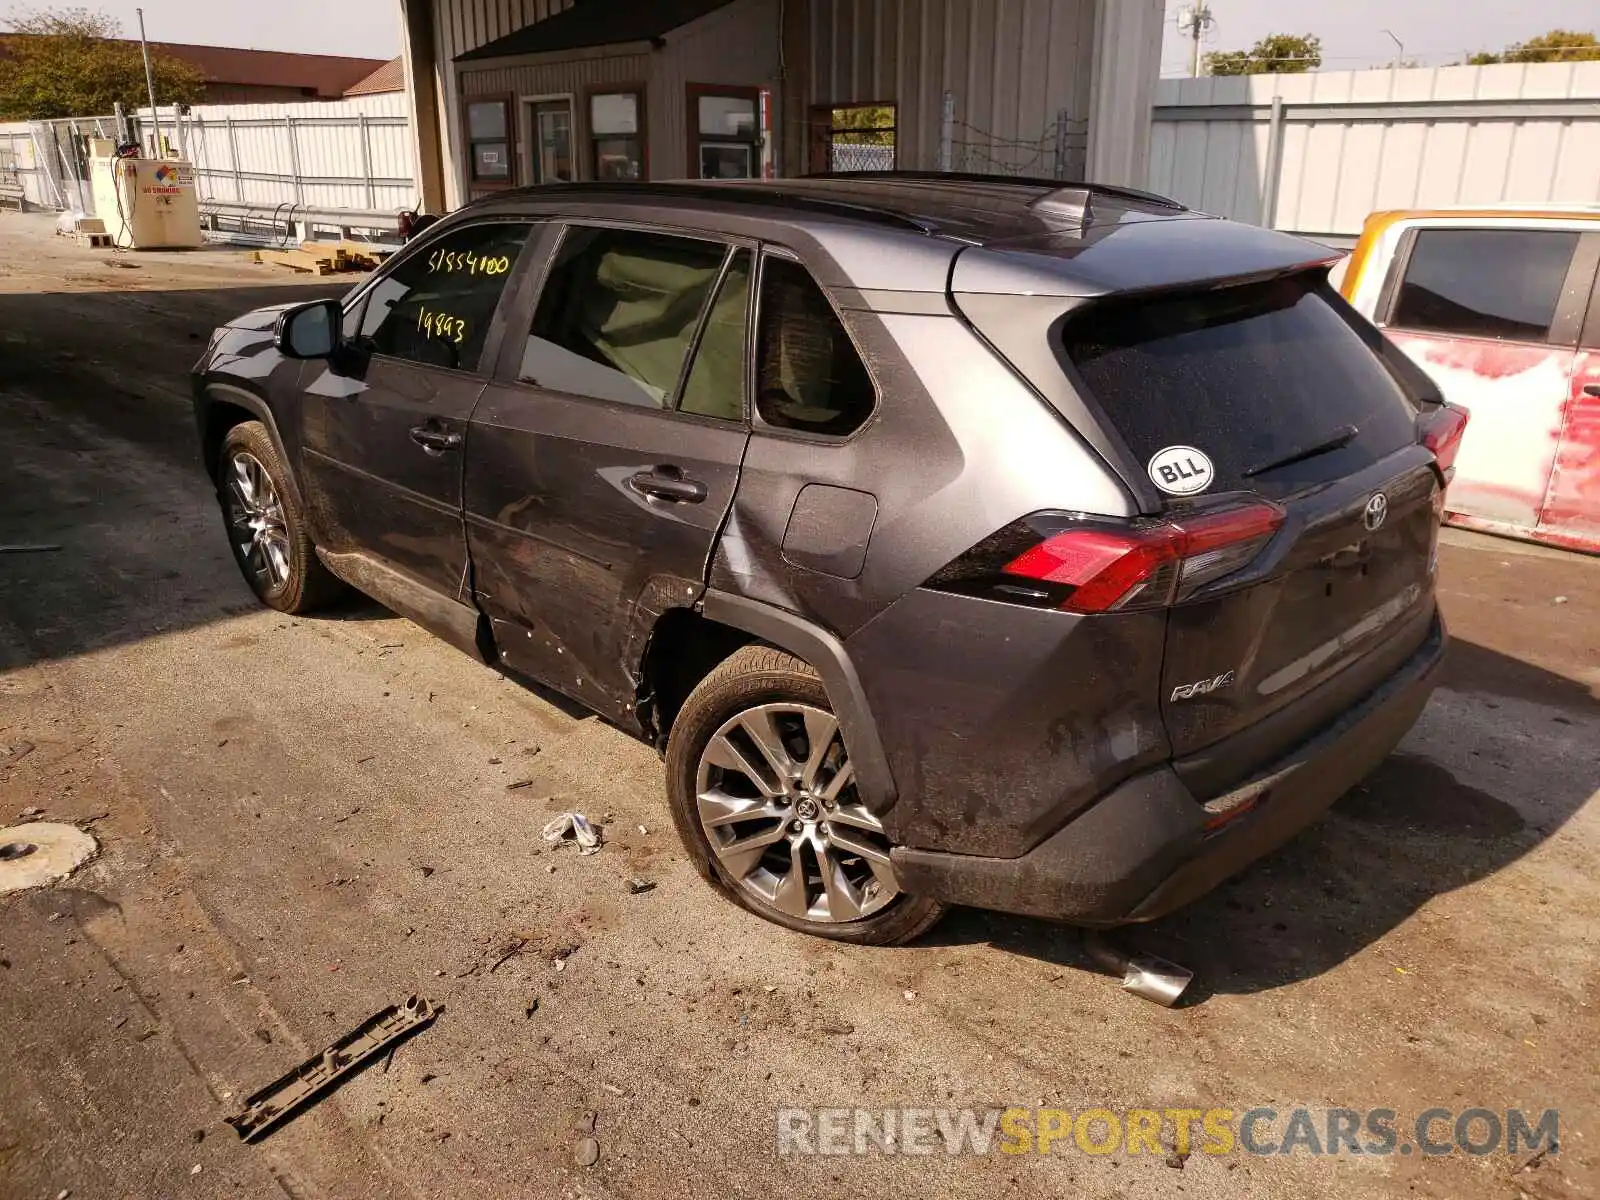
(265, 525)
(764, 798)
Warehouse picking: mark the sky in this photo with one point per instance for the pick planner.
(359, 28)
(1437, 32)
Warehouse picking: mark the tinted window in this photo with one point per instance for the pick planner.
(618, 313)
(809, 376)
(1496, 283)
(436, 305)
(1247, 375)
(716, 380)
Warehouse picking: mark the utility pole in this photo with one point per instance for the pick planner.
(1194, 20)
(150, 85)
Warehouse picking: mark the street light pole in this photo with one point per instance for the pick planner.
(1400, 47)
(150, 83)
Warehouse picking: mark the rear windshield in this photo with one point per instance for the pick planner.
(1248, 375)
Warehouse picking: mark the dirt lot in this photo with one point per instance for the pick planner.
(304, 820)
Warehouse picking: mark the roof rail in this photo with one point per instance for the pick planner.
(753, 193)
(1100, 189)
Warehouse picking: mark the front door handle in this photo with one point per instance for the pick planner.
(435, 439)
(668, 483)
(1591, 389)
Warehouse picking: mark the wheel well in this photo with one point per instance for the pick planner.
(221, 416)
(684, 648)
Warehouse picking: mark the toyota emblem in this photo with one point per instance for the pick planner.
(1377, 512)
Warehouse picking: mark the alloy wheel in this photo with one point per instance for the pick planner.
(776, 796)
(256, 522)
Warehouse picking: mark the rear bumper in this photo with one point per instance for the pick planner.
(1149, 846)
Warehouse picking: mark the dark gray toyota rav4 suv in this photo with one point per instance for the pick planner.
(1052, 549)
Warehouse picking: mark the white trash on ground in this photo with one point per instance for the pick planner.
(578, 828)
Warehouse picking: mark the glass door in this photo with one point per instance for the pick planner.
(550, 128)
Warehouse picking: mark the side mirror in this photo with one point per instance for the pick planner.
(310, 330)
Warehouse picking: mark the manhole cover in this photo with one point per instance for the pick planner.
(41, 853)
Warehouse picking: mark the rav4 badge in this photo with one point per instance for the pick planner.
(1180, 471)
(1204, 687)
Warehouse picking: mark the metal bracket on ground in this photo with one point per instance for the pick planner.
(312, 1079)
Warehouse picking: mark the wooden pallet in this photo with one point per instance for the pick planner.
(297, 260)
(325, 258)
(349, 256)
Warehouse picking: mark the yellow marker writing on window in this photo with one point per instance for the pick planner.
(441, 325)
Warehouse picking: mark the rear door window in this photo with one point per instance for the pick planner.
(618, 314)
(1247, 375)
(1488, 283)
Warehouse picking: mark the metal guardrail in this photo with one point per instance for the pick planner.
(280, 224)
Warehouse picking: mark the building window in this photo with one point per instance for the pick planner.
(616, 130)
(1490, 283)
(726, 140)
(853, 137)
(489, 140)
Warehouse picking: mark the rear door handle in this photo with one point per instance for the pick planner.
(1591, 389)
(434, 439)
(668, 483)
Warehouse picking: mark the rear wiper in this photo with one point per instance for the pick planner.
(1339, 438)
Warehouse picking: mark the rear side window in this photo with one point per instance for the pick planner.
(1248, 375)
(618, 314)
(435, 307)
(808, 376)
(1490, 283)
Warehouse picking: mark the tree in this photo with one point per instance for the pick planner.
(68, 62)
(1277, 53)
(1559, 45)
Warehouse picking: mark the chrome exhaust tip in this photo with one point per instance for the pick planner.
(1155, 979)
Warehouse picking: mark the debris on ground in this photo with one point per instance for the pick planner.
(16, 751)
(574, 827)
(314, 1078)
(637, 887)
(519, 785)
(587, 1152)
(510, 952)
(15, 548)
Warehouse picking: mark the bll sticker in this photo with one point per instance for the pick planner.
(1180, 471)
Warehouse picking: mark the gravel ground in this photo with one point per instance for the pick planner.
(304, 820)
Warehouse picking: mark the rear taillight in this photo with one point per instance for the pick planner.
(1442, 430)
(1053, 560)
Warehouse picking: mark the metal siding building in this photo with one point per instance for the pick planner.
(1047, 87)
(1348, 143)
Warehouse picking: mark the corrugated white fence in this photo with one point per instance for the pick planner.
(1316, 153)
(353, 153)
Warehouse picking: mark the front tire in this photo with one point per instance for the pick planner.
(764, 797)
(266, 529)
